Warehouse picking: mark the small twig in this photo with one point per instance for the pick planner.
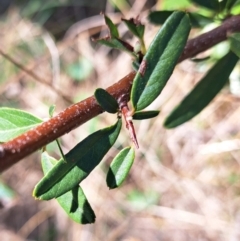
(77, 114)
(34, 76)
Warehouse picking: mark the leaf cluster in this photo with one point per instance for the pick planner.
(216, 78)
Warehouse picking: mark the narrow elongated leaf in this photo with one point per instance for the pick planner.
(235, 43)
(203, 92)
(159, 17)
(14, 122)
(135, 26)
(222, 5)
(230, 4)
(74, 202)
(160, 60)
(51, 110)
(227, 4)
(112, 27)
(80, 161)
(116, 44)
(106, 101)
(210, 4)
(120, 167)
(198, 60)
(142, 115)
(197, 20)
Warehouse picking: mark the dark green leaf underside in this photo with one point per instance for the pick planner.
(203, 92)
(112, 27)
(230, 4)
(115, 43)
(160, 60)
(106, 101)
(136, 29)
(120, 167)
(14, 122)
(80, 161)
(209, 4)
(142, 115)
(74, 202)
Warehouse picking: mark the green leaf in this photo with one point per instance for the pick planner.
(210, 4)
(203, 92)
(106, 101)
(142, 115)
(230, 4)
(197, 20)
(7, 195)
(135, 26)
(198, 60)
(14, 122)
(227, 5)
(117, 44)
(51, 110)
(80, 161)
(160, 60)
(235, 43)
(159, 17)
(120, 167)
(112, 27)
(173, 4)
(236, 8)
(74, 202)
(222, 5)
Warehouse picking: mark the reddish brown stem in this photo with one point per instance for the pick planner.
(123, 105)
(67, 120)
(207, 40)
(77, 114)
(129, 125)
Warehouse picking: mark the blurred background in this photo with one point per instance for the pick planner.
(185, 182)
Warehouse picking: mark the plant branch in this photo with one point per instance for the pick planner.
(13, 151)
(207, 40)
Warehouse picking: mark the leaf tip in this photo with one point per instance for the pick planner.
(169, 124)
(36, 197)
(34, 192)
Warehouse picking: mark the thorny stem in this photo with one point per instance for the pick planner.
(126, 113)
(13, 151)
(129, 124)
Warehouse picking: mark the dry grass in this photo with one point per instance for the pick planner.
(184, 184)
